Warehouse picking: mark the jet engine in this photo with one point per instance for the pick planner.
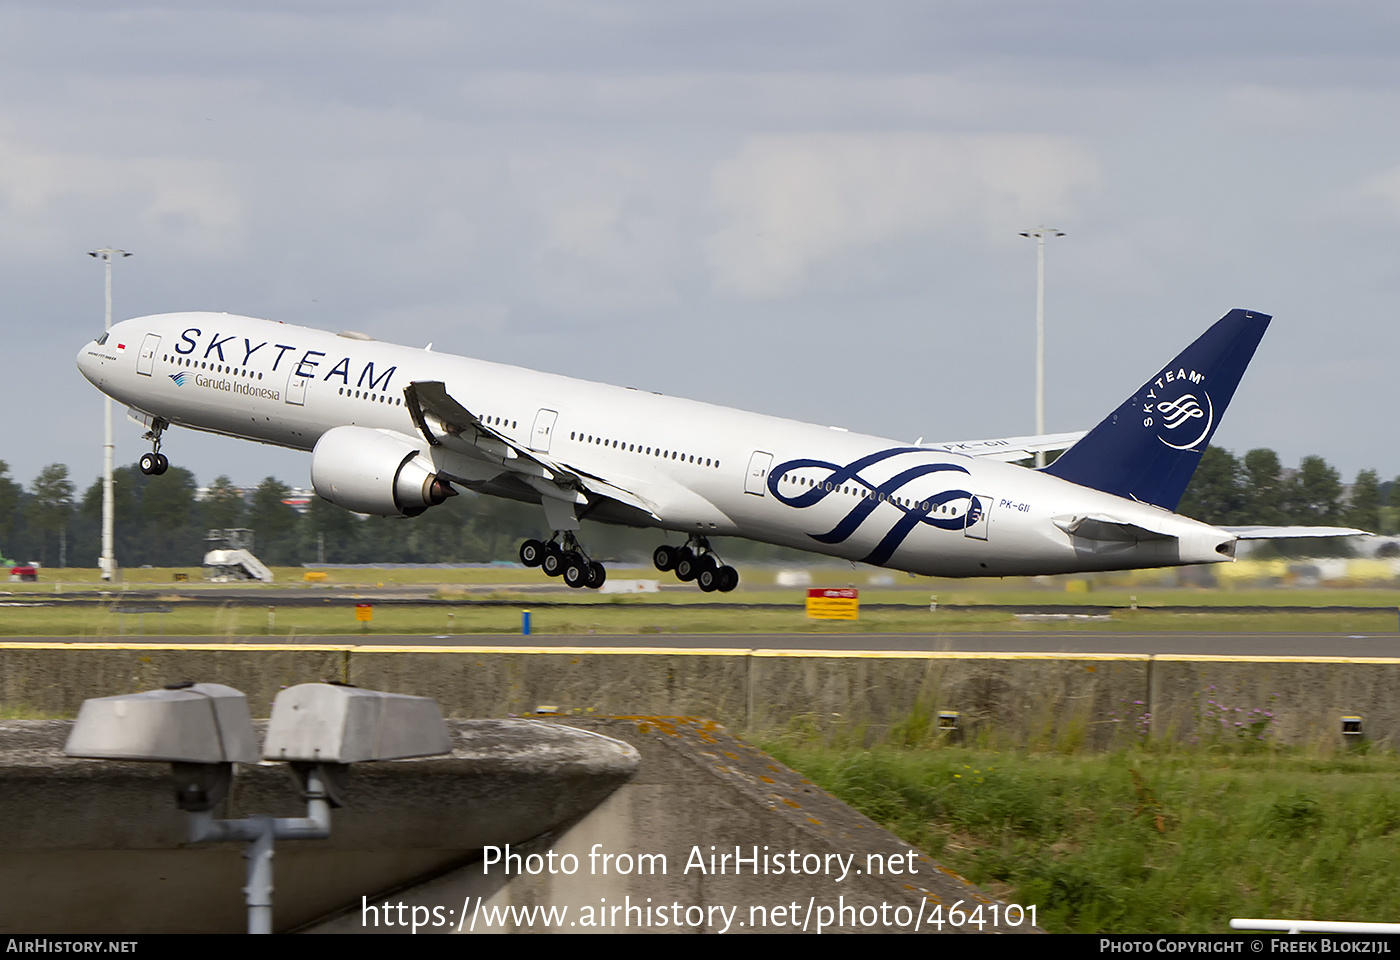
(375, 471)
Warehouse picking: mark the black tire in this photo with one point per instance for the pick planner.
(687, 569)
(575, 571)
(532, 553)
(664, 557)
(728, 579)
(553, 562)
(708, 579)
(148, 463)
(597, 574)
(162, 463)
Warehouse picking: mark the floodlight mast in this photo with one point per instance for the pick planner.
(108, 561)
(1040, 233)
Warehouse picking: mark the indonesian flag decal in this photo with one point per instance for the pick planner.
(121, 347)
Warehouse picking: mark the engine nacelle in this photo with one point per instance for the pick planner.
(375, 471)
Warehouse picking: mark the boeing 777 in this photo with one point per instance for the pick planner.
(393, 430)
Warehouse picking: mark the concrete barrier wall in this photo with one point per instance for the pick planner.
(1008, 699)
(648, 859)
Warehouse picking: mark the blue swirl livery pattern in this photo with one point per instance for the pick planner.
(919, 511)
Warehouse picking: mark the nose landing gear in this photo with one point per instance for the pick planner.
(155, 463)
(696, 561)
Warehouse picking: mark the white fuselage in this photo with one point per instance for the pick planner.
(700, 468)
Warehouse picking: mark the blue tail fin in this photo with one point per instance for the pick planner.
(1148, 448)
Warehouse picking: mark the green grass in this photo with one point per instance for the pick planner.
(1176, 841)
(758, 585)
(624, 616)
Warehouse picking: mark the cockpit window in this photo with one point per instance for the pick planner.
(103, 339)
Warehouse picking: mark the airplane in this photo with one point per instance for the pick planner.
(395, 430)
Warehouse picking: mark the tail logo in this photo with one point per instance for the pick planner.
(1182, 412)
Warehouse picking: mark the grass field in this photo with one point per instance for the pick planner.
(757, 584)
(1145, 841)
(624, 617)
(564, 612)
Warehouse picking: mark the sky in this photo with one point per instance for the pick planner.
(810, 209)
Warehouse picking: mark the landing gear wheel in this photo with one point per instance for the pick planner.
(154, 464)
(708, 579)
(162, 463)
(532, 553)
(553, 562)
(687, 568)
(596, 575)
(576, 571)
(665, 557)
(728, 579)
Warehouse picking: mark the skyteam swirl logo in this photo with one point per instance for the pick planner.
(1191, 414)
(921, 511)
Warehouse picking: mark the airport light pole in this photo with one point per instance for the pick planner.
(108, 561)
(1040, 233)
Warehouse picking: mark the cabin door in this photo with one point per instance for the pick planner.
(976, 525)
(543, 429)
(756, 481)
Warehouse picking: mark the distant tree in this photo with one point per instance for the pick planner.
(223, 507)
(52, 503)
(1390, 513)
(1216, 492)
(1364, 508)
(1263, 488)
(1314, 493)
(274, 523)
(9, 505)
(168, 520)
(332, 532)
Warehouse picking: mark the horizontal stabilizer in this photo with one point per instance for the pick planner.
(1286, 533)
(1009, 449)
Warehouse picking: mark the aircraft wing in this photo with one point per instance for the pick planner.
(1284, 533)
(1009, 449)
(444, 422)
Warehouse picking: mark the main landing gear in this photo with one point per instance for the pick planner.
(155, 463)
(696, 561)
(561, 556)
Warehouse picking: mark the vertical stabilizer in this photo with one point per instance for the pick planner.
(1149, 447)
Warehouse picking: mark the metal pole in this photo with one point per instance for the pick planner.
(108, 561)
(1040, 233)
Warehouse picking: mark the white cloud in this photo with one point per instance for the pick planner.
(608, 223)
(788, 203)
(183, 203)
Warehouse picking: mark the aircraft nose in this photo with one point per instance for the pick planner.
(89, 363)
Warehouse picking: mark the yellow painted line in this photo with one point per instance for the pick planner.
(578, 651)
(690, 652)
(111, 645)
(948, 655)
(569, 651)
(1218, 658)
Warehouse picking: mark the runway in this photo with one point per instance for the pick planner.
(1306, 645)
